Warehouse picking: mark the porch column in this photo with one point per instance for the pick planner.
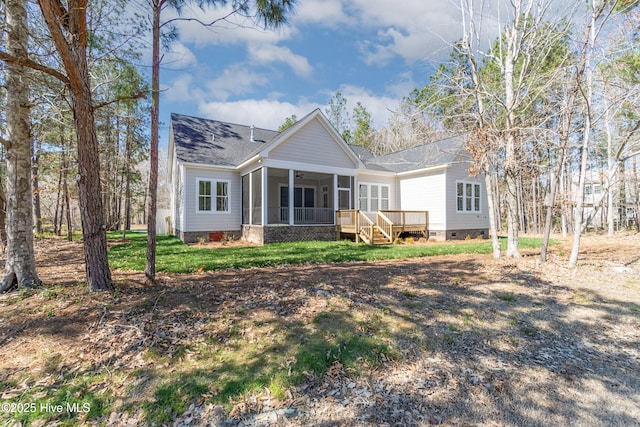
(291, 195)
(336, 202)
(250, 198)
(265, 193)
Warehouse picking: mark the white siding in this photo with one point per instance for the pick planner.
(465, 220)
(427, 192)
(212, 221)
(313, 145)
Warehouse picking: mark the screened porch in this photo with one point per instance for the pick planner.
(272, 196)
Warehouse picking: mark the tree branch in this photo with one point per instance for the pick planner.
(137, 95)
(26, 62)
(50, 12)
(204, 24)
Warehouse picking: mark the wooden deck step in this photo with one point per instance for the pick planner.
(379, 238)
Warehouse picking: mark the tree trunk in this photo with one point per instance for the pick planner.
(65, 187)
(69, 32)
(20, 266)
(510, 160)
(493, 229)
(3, 216)
(36, 186)
(127, 177)
(636, 192)
(150, 269)
(611, 182)
(586, 138)
(3, 207)
(89, 196)
(118, 179)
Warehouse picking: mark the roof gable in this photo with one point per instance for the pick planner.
(317, 138)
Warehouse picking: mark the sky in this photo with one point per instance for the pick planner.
(371, 51)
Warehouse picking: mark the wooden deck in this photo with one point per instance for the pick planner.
(388, 225)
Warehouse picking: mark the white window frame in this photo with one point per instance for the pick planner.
(378, 199)
(469, 201)
(214, 196)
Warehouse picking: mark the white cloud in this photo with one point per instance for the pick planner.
(328, 13)
(179, 57)
(266, 54)
(411, 30)
(235, 80)
(380, 107)
(179, 90)
(264, 113)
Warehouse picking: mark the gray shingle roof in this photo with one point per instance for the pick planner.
(436, 153)
(213, 142)
(362, 153)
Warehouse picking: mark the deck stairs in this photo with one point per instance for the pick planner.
(378, 237)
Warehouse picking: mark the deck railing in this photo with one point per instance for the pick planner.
(390, 223)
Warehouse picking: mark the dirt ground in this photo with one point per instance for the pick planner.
(498, 342)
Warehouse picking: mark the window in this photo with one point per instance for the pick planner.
(467, 197)
(222, 196)
(206, 197)
(374, 197)
(364, 199)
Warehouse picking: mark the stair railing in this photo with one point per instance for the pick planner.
(366, 227)
(385, 225)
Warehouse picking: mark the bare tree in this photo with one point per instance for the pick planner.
(597, 15)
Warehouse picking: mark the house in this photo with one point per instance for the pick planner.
(307, 183)
(623, 188)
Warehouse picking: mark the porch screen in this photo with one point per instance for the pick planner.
(256, 196)
(246, 205)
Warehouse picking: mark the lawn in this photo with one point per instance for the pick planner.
(454, 340)
(173, 256)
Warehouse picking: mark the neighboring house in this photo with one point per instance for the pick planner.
(625, 189)
(266, 186)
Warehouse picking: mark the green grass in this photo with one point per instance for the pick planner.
(173, 256)
(65, 402)
(276, 357)
(506, 296)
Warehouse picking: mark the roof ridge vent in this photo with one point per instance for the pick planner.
(252, 139)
